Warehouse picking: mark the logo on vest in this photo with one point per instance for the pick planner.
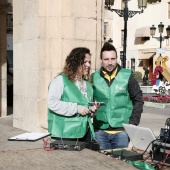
(120, 89)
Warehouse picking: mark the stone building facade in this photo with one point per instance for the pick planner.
(44, 32)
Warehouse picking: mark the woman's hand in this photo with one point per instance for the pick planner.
(84, 111)
(93, 108)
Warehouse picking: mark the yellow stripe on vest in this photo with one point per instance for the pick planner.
(112, 132)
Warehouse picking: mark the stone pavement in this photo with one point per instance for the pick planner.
(17, 155)
(154, 118)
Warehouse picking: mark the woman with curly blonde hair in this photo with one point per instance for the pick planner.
(68, 97)
(75, 62)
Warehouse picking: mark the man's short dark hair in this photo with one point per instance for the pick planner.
(107, 47)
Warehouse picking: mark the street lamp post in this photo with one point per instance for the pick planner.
(125, 13)
(161, 29)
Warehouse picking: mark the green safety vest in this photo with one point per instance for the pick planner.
(118, 107)
(74, 126)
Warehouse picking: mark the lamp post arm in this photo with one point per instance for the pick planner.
(132, 13)
(118, 11)
(121, 12)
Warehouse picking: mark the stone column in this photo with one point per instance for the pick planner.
(45, 31)
(3, 60)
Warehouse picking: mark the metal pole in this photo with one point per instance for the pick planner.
(160, 40)
(126, 11)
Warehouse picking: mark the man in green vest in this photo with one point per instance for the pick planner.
(119, 90)
(68, 97)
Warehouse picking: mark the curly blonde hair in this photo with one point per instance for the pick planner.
(73, 61)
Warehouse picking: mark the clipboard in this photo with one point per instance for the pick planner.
(29, 137)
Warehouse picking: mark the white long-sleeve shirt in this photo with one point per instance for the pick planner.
(54, 99)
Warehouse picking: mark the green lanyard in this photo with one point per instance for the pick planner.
(91, 127)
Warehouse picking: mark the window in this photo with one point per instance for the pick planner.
(9, 22)
(105, 28)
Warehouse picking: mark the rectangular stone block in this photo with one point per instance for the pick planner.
(18, 111)
(30, 83)
(3, 106)
(42, 116)
(42, 8)
(66, 8)
(44, 80)
(84, 9)
(42, 28)
(53, 8)
(30, 9)
(68, 22)
(18, 82)
(18, 11)
(42, 55)
(31, 28)
(30, 56)
(54, 53)
(85, 29)
(4, 70)
(18, 58)
(30, 117)
(53, 27)
(18, 34)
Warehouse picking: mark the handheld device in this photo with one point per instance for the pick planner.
(101, 103)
